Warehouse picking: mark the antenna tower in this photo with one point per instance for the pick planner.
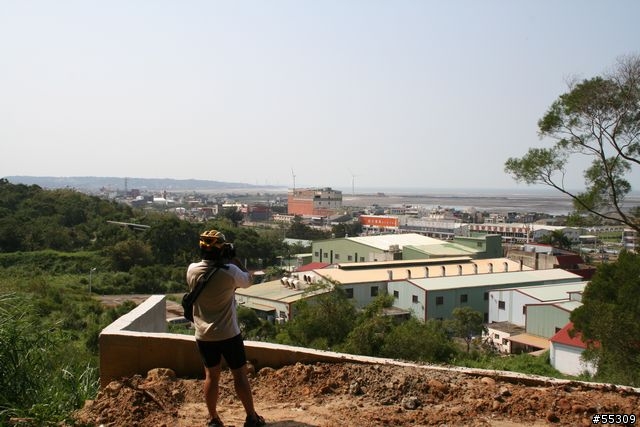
(294, 180)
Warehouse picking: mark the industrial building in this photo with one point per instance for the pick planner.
(565, 352)
(426, 289)
(314, 201)
(436, 297)
(523, 319)
(274, 300)
(524, 233)
(390, 247)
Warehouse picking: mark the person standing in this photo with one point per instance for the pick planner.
(216, 326)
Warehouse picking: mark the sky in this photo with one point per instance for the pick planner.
(347, 94)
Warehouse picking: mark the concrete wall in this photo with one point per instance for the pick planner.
(568, 360)
(514, 303)
(406, 291)
(137, 342)
(132, 345)
(362, 292)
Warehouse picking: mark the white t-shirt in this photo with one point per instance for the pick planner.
(214, 311)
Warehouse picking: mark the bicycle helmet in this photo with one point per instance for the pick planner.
(210, 239)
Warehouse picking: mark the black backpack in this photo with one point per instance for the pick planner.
(190, 297)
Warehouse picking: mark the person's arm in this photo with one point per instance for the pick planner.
(246, 275)
(236, 261)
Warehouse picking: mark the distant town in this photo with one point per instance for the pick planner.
(518, 222)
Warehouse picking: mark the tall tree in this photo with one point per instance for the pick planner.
(466, 323)
(298, 230)
(598, 119)
(372, 326)
(233, 214)
(321, 322)
(417, 340)
(172, 240)
(609, 320)
(557, 239)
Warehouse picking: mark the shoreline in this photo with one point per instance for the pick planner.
(500, 203)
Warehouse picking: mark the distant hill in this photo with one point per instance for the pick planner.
(96, 183)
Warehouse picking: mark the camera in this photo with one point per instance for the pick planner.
(228, 251)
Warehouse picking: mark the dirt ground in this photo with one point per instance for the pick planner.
(360, 395)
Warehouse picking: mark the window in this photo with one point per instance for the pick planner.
(414, 299)
(557, 329)
(361, 259)
(349, 258)
(336, 256)
(501, 305)
(282, 314)
(496, 336)
(505, 341)
(439, 300)
(396, 294)
(486, 296)
(486, 318)
(316, 253)
(374, 291)
(463, 298)
(349, 292)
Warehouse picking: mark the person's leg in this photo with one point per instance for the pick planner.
(243, 389)
(211, 389)
(211, 358)
(235, 356)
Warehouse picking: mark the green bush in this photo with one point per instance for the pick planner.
(44, 376)
(523, 363)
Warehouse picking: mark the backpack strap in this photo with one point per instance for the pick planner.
(202, 280)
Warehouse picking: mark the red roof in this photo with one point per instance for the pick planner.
(569, 260)
(313, 266)
(562, 337)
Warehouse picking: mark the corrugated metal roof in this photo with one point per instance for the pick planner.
(276, 291)
(312, 266)
(547, 293)
(383, 241)
(256, 306)
(506, 327)
(400, 263)
(495, 279)
(447, 249)
(531, 340)
(452, 270)
(568, 305)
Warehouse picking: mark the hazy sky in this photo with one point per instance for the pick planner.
(402, 93)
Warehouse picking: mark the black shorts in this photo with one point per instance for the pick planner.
(232, 349)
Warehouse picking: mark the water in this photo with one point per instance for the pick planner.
(545, 200)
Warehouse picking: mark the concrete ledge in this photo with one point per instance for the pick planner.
(137, 342)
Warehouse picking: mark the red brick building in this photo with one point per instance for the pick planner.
(314, 201)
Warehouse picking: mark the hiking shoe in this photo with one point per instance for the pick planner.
(215, 422)
(256, 421)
